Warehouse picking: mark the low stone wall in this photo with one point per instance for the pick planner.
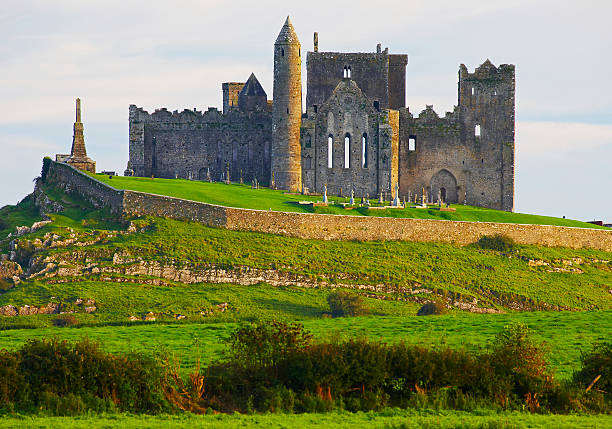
(319, 226)
(97, 193)
(143, 204)
(335, 227)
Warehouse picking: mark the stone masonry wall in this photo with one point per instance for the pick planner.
(322, 227)
(71, 180)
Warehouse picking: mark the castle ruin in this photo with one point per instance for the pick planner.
(356, 132)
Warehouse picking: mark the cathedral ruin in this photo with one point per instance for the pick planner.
(355, 133)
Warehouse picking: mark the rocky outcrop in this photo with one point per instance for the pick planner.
(28, 310)
(10, 269)
(43, 202)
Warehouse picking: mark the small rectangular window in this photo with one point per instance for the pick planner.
(477, 131)
(330, 152)
(412, 143)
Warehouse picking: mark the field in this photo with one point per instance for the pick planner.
(391, 419)
(242, 196)
(566, 334)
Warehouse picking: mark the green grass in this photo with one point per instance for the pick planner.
(388, 419)
(473, 272)
(24, 213)
(242, 196)
(565, 333)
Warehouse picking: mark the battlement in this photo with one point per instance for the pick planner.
(164, 116)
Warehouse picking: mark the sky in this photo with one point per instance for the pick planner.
(176, 54)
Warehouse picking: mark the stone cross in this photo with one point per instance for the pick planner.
(424, 197)
(325, 194)
(352, 202)
(396, 200)
(208, 174)
(241, 182)
(273, 183)
(367, 199)
(228, 173)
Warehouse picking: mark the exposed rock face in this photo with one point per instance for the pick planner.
(42, 201)
(10, 271)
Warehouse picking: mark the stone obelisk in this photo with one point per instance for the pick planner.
(78, 154)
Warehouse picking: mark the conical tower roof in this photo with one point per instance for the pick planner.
(253, 87)
(287, 34)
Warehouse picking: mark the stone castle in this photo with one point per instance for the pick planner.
(356, 132)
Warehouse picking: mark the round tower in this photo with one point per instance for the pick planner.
(286, 155)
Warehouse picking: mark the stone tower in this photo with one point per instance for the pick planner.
(78, 154)
(287, 110)
(486, 105)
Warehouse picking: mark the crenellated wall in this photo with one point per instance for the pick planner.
(194, 145)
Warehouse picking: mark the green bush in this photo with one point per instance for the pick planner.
(3, 224)
(520, 363)
(61, 377)
(597, 361)
(432, 308)
(343, 303)
(499, 242)
(264, 344)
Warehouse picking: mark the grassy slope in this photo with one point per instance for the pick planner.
(243, 196)
(565, 333)
(24, 213)
(391, 419)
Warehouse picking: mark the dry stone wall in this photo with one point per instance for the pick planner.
(71, 180)
(322, 227)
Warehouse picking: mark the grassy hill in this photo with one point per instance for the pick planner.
(242, 196)
(129, 267)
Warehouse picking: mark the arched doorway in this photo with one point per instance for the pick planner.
(444, 184)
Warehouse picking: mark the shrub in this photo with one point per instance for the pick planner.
(65, 320)
(499, 242)
(432, 308)
(79, 373)
(344, 303)
(519, 362)
(264, 344)
(597, 361)
(3, 224)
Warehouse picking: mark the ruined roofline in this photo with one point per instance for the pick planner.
(364, 54)
(430, 116)
(163, 115)
(486, 69)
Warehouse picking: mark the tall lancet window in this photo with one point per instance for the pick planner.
(347, 151)
(364, 150)
(330, 152)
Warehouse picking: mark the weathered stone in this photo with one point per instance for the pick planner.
(9, 269)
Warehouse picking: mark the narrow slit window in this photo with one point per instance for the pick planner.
(412, 143)
(282, 52)
(364, 150)
(348, 72)
(330, 152)
(477, 130)
(344, 73)
(472, 90)
(347, 151)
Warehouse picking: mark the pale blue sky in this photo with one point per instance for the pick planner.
(177, 54)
